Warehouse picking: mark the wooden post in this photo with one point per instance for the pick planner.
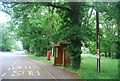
(98, 41)
(63, 63)
(54, 56)
(52, 51)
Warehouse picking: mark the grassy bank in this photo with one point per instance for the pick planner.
(88, 70)
(41, 58)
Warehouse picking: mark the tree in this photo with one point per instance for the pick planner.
(7, 42)
(111, 31)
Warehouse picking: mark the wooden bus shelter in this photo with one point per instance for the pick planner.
(60, 55)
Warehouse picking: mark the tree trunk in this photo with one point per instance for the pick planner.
(76, 15)
(109, 53)
(106, 54)
(118, 41)
(76, 60)
(118, 50)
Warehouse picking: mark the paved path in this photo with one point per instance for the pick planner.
(17, 65)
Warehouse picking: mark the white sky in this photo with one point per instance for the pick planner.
(4, 17)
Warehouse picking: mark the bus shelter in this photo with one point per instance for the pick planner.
(60, 54)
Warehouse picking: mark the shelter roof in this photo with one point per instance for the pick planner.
(55, 45)
(60, 44)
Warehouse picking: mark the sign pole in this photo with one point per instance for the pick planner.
(98, 41)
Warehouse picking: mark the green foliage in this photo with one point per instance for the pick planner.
(34, 28)
(109, 29)
(7, 41)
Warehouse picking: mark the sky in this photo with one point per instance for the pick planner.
(4, 17)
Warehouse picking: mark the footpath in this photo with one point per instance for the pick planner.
(56, 72)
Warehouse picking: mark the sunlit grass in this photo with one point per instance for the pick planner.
(88, 70)
(41, 58)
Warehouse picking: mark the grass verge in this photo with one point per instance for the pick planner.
(88, 70)
(41, 58)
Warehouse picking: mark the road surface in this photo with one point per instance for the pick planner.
(16, 65)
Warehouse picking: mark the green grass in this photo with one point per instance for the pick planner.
(41, 58)
(88, 70)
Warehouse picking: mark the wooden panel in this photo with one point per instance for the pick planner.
(60, 53)
(58, 59)
(62, 57)
(67, 60)
(54, 56)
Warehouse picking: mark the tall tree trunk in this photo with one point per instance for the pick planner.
(118, 50)
(118, 36)
(76, 15)
(106, 54)
(109, 53)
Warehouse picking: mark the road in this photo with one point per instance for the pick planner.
(16, 65)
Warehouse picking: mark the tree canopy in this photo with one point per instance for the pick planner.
(40, 24)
